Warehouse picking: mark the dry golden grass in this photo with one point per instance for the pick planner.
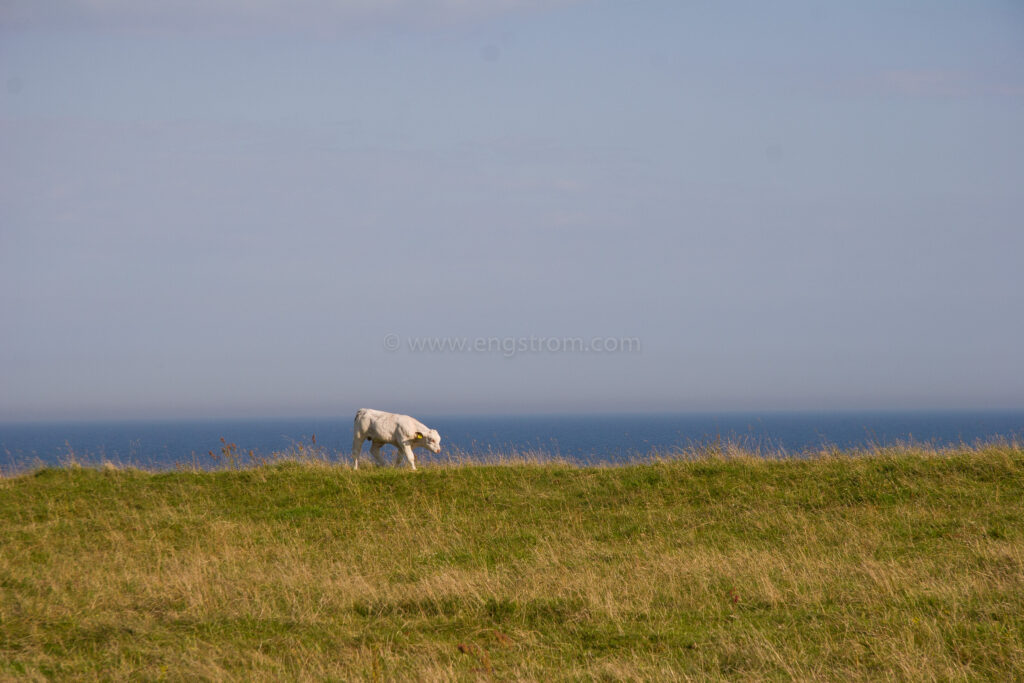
(895, 566)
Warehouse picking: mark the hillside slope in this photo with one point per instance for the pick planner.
(903, 564)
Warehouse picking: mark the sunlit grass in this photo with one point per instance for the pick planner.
(903, 563)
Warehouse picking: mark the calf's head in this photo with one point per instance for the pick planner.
(430, 440)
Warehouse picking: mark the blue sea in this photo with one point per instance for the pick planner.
(585, 439)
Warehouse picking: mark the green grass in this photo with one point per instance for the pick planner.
(904, 565)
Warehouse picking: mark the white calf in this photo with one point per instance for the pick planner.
(401, 431)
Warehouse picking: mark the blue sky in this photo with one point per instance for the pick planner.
(221, 208)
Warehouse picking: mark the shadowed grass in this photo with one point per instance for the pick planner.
(904, 564)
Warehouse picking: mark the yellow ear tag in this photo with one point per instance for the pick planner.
(419, 436)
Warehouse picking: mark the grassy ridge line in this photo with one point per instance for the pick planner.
(904, 565)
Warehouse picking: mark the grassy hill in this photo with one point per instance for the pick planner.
(902, 564)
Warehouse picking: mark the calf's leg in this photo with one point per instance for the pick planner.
(357, 447)
(375, 452)
(406, 450)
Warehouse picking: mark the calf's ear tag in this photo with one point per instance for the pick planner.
(418, 436)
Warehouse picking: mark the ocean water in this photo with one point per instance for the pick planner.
(580, 438)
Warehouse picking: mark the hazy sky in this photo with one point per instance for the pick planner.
(221, 208)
